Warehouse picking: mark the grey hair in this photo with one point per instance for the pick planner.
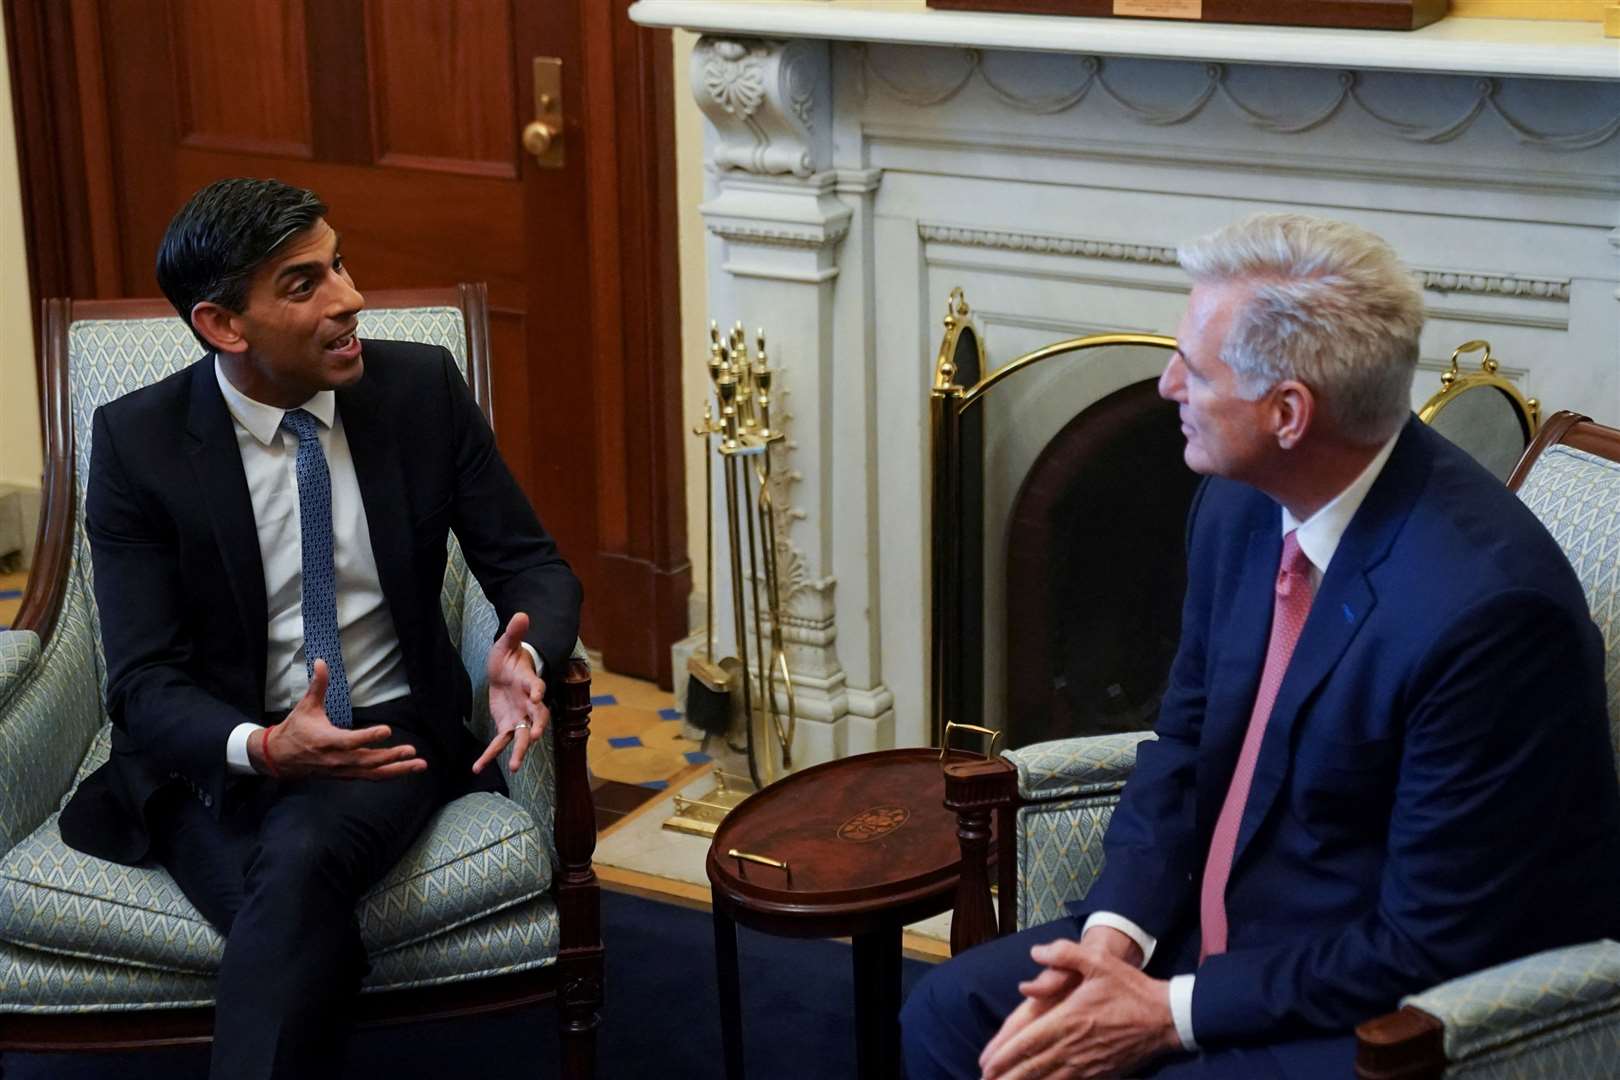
(1329, 305)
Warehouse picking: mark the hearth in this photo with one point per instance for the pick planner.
(1096, 570)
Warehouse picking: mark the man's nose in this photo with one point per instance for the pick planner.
(346, 299)
(1171, 380)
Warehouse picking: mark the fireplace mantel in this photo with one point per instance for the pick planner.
(1498, 47)
(863, 159)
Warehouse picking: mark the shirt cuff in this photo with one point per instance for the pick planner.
(236, 749)
(1181, 990)
(539, 664)
(1144, 940)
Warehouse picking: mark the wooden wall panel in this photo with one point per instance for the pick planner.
(508, 331)
(143, 115)
(467, 237)
(96, 139)
(250, 99)
(443, 86)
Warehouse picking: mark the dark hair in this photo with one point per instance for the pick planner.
(223, 234)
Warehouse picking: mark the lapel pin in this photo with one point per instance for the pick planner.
(1349, 616)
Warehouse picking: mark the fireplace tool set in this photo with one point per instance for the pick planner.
(741, 691)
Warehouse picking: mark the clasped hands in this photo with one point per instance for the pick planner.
(1090, 1013)
(307, 743)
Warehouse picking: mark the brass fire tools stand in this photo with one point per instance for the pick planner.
(743, 393)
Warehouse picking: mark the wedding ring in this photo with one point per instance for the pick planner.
(524, 724)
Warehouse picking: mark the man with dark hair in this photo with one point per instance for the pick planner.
(1386, 667)
(268, 531)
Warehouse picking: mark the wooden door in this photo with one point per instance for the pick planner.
(405, 116)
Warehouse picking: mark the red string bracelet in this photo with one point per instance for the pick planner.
(264, 749)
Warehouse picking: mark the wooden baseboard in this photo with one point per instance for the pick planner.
(651, 887)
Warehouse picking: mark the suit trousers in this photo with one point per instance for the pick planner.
(279, 874)
(959, 1006)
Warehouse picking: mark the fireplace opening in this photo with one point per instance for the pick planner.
(1096, 571)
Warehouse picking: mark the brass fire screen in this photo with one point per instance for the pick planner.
(957, 415)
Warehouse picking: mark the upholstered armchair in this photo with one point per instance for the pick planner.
(494, 906)
(1555, 1014)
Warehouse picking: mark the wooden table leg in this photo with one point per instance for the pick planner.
(877, 1004)
(725, 958)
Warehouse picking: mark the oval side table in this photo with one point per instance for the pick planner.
(858, 847)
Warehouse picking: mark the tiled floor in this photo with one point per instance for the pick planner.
(11, 586)
(636, 750)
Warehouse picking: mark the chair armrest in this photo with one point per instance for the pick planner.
(19, 656)
(548, 779)
(1549, 1012)
(533, 787)
(977, 789)
(50, 711)
(1065, 768)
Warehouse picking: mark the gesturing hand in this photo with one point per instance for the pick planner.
(307, 744)
(1112, 1018)
(515, 696)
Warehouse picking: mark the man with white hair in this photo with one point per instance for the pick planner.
(1386, 667)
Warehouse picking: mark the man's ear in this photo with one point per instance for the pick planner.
(1294, 410)
(219, 325)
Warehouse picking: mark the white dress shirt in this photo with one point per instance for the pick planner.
(1319, 538)
(371, 654)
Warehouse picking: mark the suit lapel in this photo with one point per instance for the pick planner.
(377, 469)
(216, 462)
(1342, 605)
(1232, 689)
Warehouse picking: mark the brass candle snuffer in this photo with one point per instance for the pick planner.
(745, 685)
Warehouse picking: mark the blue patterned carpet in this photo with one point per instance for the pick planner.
(661, 1019)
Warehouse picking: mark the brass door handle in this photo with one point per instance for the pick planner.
(539, 137)
(543, 136)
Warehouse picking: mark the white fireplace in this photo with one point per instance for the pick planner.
(866, 158)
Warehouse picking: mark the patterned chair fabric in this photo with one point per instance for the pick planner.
(1557, 1014)
(468, 900)
(1069, 788)
(1577, 496)
(1553, 1014)
(19, 652)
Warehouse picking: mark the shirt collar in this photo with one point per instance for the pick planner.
(1320, 534)
(263, 421)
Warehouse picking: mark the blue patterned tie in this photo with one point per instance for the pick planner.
(320, 590)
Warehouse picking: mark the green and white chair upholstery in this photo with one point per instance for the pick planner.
(495, 905)
(1555, 1014)
(1067, 791)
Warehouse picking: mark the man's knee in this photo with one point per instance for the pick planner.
(938, 1000)
(299, 858)
(942, 1026)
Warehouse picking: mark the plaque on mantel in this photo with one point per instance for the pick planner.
(1351, 14)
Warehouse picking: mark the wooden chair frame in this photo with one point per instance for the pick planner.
(574, 982)
(1409, 1044)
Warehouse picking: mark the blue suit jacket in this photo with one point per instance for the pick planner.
(1435, 792)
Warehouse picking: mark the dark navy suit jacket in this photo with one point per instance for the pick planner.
(180, 585)
(1435, 792)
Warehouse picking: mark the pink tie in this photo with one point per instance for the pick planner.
(1292, 605)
